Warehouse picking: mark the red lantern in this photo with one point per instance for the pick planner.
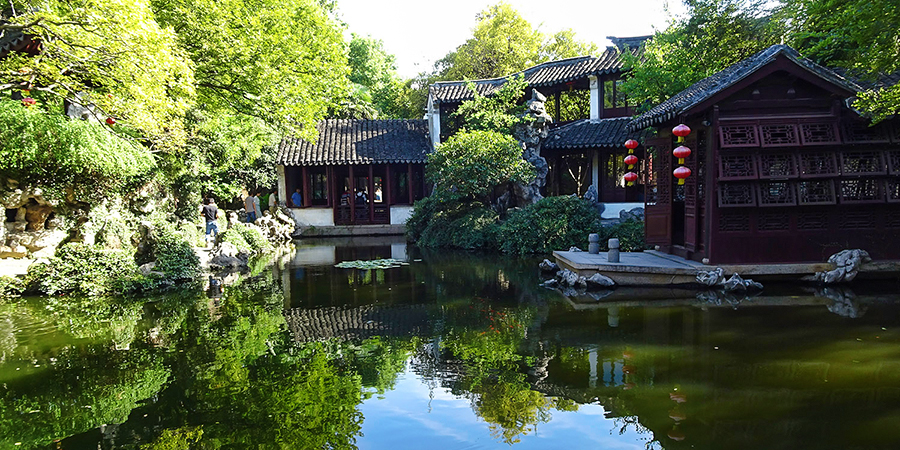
(29, 102)
(631, 144)
(110, 121)
(631, 177)
(681, 152)
(681, 131)
(681, 173)
(631, 160)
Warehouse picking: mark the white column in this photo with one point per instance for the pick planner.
(434, 120)
(282, 185)
(595, 96)
(595, 170)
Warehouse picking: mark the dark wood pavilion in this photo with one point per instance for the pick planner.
(358, 172)
(783, 170)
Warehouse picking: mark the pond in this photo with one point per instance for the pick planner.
(453, 351)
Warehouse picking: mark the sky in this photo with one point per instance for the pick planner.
(420, 32)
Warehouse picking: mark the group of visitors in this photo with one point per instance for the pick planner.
(210, 211)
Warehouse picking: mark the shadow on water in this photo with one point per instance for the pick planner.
(308, 355)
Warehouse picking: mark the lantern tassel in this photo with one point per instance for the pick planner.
(681, 161)
(680, 181)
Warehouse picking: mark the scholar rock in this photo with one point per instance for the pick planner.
(550, 283)
(711, 277)
(846, 266)
(600, 281)
(548, 266)
(635, 214)
(567, 277)
(575, 249)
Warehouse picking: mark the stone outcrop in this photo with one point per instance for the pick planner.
(566, 280)
(846, 267)
(716, 278)
(548, 266)
(530, 135)
(228, 257)
(33, 230)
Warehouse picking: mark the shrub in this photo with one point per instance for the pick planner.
(85, 269)
(630, 235)
(174, 255)
(247, 238)
(423, 211)
(469, 226)
(553, 223)
(10, 287)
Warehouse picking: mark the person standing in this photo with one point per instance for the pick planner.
(297, 199)
(256, 206)
(210, 213)
(250, 207)
(273, 200)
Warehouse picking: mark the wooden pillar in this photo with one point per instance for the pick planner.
(557, 107)
(387, 185)
(352, 199)
(409, 182)
(305, 187)
(330, 184)
(370, 198)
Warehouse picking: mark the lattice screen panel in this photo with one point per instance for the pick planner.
(819, 134)
(816, 192)
(778, 165)
(773, 221)
(734, 221)
(863, 162)
(779, 135)
(776, 193)
(858, 219)
(862, 133)
(892, 219)
(893, 160)
(737, 167)
(812, 220)
(893, 189)
(818, 164)
(736, 194)
(862, 190)
(738, 136)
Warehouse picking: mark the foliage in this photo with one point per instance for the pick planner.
(630, 235)
(179, 439)
(109, 54)
(174, 254)
(713, 35)
(256, 242)
(470, 226)
(553, 223)
(10, 287)
(499, 113)
(44, 149)
(281, 61)
(103, 319)
(470, 164)
(85, 269)
(860, 35)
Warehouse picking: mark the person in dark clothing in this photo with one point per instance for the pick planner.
(210, 213)
(297, 199)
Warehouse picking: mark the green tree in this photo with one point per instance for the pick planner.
(713, 35)
(376, 89)
(281, 61)
(110, 54)
(860, 35)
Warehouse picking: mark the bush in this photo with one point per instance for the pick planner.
(174, 255)
(553, 223)
(85, 269)
(630, 235)
(467, 226)
(247, 238)
(10, 287)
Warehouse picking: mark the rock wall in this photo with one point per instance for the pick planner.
(30, 227)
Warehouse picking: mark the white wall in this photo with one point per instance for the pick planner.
(400, 213)
(317, 217)
(612, 210)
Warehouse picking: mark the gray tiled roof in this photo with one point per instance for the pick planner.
(10, 39)
(590, 133)
(713, 84)
(545, 74)
(308, 325)
(354, 141)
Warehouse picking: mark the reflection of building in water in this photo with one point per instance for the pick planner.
(308, 325)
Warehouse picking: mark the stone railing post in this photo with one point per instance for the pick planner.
(613, 254)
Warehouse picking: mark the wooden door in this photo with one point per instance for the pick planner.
(658, 192)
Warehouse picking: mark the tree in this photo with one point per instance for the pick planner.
(376, 89)
(111, 54)
(860, 35)
(281, 61)
(713, 35)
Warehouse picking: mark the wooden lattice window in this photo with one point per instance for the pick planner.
(737, 167)
(779, 135)
(893, 189)
(858, 219)
(892, 219)
(818, 164)
(734, 221)
(773, 221)
(895, 133)
(816, 192)
(893, 160)
(862, 133)
(777, 165)
(818, 134)
(738, 136)
(736, 194)
(776, 193)
(861, 190)
(812, 220)
(863, 162)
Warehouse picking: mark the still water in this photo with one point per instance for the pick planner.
(452, 351)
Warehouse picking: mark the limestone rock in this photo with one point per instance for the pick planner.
(548, 266)
(711, 277)
(18, 251)
(553, 282)
(227, 256)
(846, 268)
(736, 283)
(634, 214)
(600, 281)
(36, 216)
(575, 249)
(592, 195)
(567, 277)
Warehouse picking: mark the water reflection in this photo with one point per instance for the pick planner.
(455, 350)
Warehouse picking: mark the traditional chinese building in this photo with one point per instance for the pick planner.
(358, 172)
(782, 169)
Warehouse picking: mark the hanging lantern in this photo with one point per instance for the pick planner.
(631, 160)
(681, 153)
(631, 144)
(631, 177)
(681, 131)
(681, 173)
(110, 121)
(29, 102)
